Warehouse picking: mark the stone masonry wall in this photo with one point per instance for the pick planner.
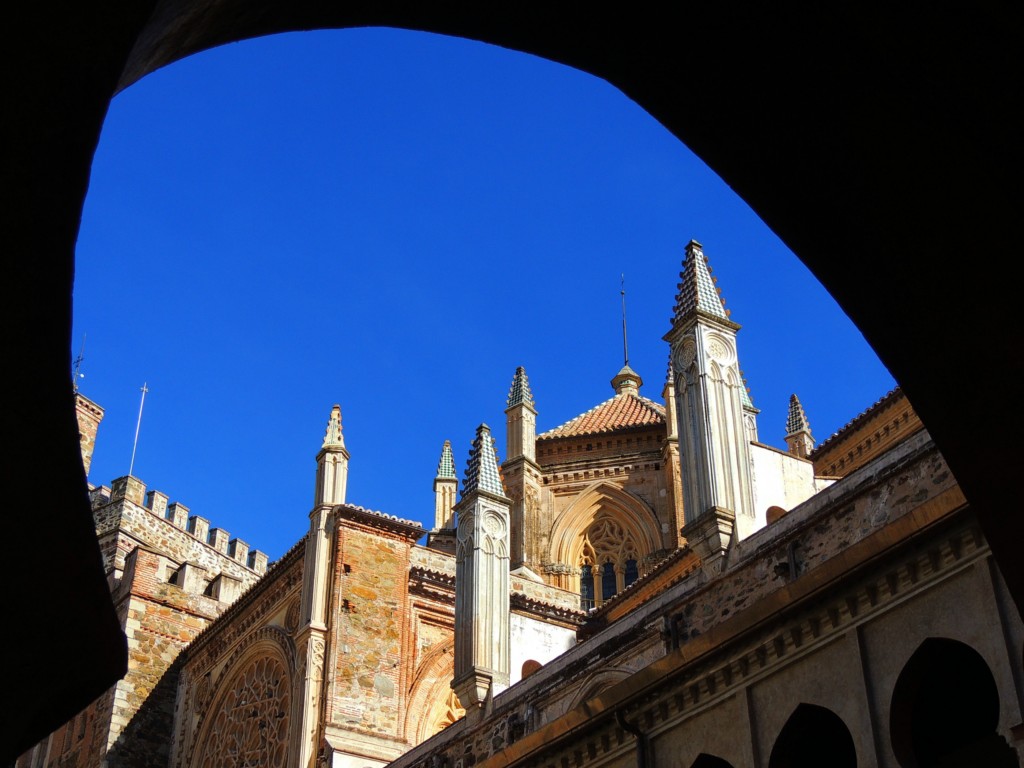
(161, 620)
(370, 631)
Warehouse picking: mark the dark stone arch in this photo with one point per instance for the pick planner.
(861, 136)
(945, 710)
(813, 736)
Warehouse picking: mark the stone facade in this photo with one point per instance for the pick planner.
(652, 582)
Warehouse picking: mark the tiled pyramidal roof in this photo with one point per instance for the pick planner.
(623, 411)
(482, 467)
(796, 421)
(697, 291)
(333, 437)
(446, 465)
(519, 393)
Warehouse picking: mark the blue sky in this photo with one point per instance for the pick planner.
(394, 221)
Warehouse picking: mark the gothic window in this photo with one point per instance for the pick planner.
(608, 562)
(250, 725)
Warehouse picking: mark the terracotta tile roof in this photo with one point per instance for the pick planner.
(623, 411)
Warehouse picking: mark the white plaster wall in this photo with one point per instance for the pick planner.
(533, 639)
(780, 480)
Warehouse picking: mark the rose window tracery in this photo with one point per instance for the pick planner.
(250, 725)
(451, 712)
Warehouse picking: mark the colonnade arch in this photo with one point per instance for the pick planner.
(945, 710)
(813, 736)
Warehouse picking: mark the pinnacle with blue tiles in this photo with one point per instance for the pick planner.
(519, 393)
(796, 421)
(333, 438)
(745, 399)
(697, 289)
(446, 465)
(482, 468)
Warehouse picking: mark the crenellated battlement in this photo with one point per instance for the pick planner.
(188, 529)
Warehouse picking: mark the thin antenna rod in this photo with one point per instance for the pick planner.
(625, 346)
(138, 424)
(77, 374)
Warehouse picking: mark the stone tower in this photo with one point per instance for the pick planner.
(714, 450)
(89, 417)
(799, 440)
(521, 472)
(446, 487)
(482, 656)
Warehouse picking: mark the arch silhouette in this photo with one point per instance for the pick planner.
(945, 710)
(817, 170)
(813, 736)
(705, 760)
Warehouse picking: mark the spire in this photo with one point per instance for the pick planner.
(519, 393)
(333, 438)
(446, 465)
(482, 467)
(627, 380)
(799, 440)
(446, 489)
(748, 403)
(697, 289)
(797, 419)
(331, 464)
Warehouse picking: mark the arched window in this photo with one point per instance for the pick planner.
(608, 561)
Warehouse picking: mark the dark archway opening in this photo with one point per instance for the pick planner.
(813, 736)
(705, 760)
(945, 710)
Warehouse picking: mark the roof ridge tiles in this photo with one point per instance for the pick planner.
(621, 411)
